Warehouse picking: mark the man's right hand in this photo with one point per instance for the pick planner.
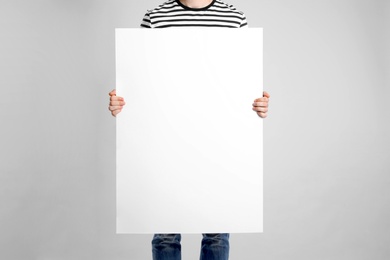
(116, 103)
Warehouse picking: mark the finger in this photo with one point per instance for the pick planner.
(113, 108)
(117, 103)
(266, 94)
(113, 92)
(260, 104)
(260, 109)
(115, 112)
(262, 114)
(116, 98)
(261, 99)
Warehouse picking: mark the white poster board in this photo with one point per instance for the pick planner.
(189, 145)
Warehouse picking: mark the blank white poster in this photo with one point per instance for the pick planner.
(189, 145)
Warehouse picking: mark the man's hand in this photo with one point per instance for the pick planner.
(260, 105)
(116, 103)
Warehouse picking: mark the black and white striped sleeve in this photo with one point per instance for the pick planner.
(146, 23)
(244, 23)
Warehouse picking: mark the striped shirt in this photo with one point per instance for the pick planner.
(173, 13)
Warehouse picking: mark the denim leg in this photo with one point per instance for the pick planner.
(166, 247)
(215, 247)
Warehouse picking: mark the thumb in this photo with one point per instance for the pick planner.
(113, 92)
(265, 94)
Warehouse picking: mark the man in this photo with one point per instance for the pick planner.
(199, 13)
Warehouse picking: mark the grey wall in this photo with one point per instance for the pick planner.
(326, 151)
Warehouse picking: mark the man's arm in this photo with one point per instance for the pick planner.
(244, 23)
(146, 22)
(116, 103)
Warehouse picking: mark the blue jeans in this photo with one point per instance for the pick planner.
(167, 247)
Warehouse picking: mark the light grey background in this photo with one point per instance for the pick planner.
(326, 141)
